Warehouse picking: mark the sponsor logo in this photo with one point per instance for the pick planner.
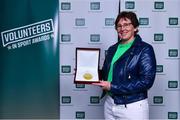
(158, 37)
(143, 21)
(95, 38)
(172, 84)
(172, 115)
(80, 115)
(65, 37)
(65, 6)
(173, 52)
(158, 5)
(95, 5)
(80, 21)
(129, 4)
(66, 99)
(28, 34)
(159, 68)
(158, 99)
(94, 99)
(109, 21)
(173, 21)
(65, 68)
(80, 85)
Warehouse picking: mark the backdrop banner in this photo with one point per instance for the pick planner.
(29, 63)
(90, 23)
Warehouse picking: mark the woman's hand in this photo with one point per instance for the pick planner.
(104, 84)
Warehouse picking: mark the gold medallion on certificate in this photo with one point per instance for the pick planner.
(87, 76)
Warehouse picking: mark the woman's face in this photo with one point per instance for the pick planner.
(125, 30)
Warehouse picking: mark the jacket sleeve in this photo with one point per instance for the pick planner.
(145, 76)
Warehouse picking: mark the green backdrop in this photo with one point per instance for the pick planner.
(29, 74)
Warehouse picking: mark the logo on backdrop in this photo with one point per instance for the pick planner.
(172, 115)
(28, 34)
(80, 114)
(129, 4)
(66, 99)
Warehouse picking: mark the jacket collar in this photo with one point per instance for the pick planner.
(135, 44)
(137, 40)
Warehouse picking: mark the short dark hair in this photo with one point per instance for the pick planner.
(128, 15)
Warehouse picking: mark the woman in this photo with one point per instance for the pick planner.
(128, 72)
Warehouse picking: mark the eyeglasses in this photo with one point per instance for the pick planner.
(125, 25)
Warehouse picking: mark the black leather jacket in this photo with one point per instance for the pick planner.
(133, 73)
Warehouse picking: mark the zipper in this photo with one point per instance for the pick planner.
(126, 67)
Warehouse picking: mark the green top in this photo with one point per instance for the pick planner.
(122, 48)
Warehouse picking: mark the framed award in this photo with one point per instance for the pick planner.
(87, 65)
